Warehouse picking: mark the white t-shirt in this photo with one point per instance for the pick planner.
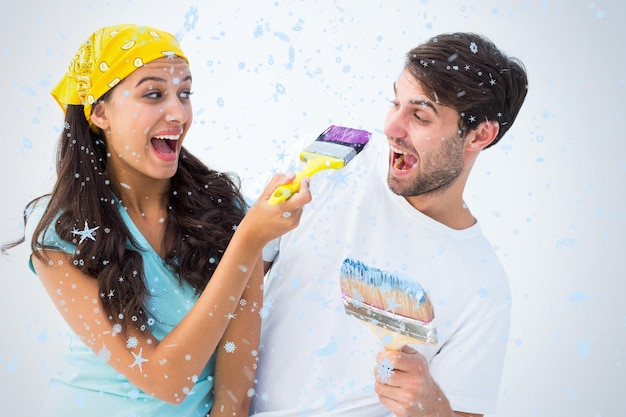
(315, 359)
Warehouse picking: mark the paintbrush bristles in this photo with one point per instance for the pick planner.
(385, 291)
(346, 136)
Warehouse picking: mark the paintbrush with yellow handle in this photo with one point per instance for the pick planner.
(333, 149)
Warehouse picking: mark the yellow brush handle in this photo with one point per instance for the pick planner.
(314, 163)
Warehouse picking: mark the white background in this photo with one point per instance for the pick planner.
(550, 196)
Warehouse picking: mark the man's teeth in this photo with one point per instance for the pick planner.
(399, 159)
(168, 137)
(399, 163)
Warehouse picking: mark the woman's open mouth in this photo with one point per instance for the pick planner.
(166, 146)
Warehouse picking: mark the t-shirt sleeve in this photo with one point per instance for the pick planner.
(270, 251)
(48, 237)
(468, 368)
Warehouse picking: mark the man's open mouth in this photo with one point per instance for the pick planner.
(403, 161)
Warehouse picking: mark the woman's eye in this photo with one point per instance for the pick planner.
(153, 94)
(186, 94)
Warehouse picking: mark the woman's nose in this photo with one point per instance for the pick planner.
(176, 111)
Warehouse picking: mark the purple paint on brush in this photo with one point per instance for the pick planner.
(355, 138)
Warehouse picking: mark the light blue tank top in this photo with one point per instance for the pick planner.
(87, 385)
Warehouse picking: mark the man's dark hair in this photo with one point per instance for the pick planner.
(468, 73)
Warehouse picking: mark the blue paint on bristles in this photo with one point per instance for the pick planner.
(387, 300)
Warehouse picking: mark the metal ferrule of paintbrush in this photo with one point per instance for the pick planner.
(328, 150)
(413, 328)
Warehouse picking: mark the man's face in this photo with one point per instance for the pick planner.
(426, 150)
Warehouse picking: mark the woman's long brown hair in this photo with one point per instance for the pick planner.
(205, 206)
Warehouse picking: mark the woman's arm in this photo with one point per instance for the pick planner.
(237, 353)
(168, 369)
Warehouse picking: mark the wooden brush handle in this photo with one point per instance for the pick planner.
(390, 339)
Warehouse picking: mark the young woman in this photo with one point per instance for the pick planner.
(148, 255)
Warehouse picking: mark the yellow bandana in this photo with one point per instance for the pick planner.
(107, 57)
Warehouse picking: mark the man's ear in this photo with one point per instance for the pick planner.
(483, 135)
(99, 116)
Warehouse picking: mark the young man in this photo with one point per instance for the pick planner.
(398, 208)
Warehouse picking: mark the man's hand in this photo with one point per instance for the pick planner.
(405, 386)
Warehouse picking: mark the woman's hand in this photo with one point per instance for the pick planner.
(265, 222)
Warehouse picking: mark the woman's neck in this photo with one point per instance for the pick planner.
(149, 213)
(145, 200)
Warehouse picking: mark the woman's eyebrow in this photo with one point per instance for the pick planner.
(158, 79)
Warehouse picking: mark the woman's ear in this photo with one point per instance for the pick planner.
(99, 116)
(483, 135)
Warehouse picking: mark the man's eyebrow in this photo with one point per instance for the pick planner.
(419, 102)
(426, 103)
(159, 79)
